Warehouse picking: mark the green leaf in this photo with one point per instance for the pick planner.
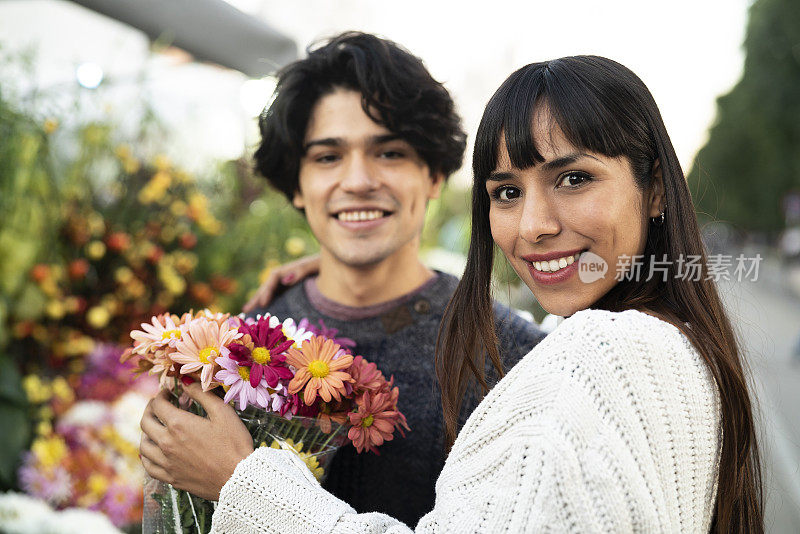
(13, 442)
(11, 385)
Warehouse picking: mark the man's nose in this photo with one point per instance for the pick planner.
(539, 219)
(359, 176)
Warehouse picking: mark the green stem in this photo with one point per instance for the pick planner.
(333, 433)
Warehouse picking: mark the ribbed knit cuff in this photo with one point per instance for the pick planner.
(273, 491)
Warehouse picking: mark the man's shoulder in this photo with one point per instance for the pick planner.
(516, 335)
(442, 288)
(292, 302)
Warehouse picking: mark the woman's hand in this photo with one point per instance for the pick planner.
(193, 453)
(286, 275)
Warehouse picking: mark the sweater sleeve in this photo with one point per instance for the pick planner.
(536, 488)
(273, 491)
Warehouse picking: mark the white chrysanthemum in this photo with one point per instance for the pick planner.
(273, 321)
(128, 411)
(22, 514)
(86, 413)
(292, 331)
(80, 521)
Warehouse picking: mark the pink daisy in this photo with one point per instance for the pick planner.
(162, 331)
(237, 378)
(202, 341)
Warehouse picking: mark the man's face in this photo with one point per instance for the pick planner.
(364, 190)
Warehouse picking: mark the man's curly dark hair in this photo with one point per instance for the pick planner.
(397, 91)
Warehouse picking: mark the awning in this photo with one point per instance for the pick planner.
(210, 30)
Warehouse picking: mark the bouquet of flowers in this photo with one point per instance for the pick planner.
(293, 389)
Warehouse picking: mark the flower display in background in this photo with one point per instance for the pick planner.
(86, 450)
(99, 234)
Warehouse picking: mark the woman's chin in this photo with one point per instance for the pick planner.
(560, 308)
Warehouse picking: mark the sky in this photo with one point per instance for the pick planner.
(687, 52)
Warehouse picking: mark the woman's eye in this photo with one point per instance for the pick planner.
(506, 193)
(573, 179)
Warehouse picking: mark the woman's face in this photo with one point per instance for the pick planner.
(560, 221)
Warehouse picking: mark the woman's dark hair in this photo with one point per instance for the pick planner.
(603, 107)
(397, 91)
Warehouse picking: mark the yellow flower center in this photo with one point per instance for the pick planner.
(244, 372)
(318, 369)
(367, 421)
(208, 354)
(261, 355)
(171, 334)
(98, 484)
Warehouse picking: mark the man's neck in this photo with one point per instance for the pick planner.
(369, 285)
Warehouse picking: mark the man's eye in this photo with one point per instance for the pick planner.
(506, 193)
(573, 179)
(392, 154)
(326, 158)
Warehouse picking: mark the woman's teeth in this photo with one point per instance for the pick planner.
(360, 215)
(555, 265)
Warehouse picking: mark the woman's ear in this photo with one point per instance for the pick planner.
(656, 203)
(297, 200)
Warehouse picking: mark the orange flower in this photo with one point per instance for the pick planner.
(318, 370)
(374, 421)
(366, 375)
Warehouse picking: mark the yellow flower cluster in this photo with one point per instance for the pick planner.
(49, 451)
(40, 391)
(129, 163)
(198, 210)
(118, 443)
(50, 125)
(156, 189)
(309, 459)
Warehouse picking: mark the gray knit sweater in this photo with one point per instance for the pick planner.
(400, 340)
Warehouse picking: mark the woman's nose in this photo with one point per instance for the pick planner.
(539, 219)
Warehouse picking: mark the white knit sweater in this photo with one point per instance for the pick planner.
(610, 424)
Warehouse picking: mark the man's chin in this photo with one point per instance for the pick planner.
(355, 260)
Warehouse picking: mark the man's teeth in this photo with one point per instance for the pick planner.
(360, 215)
(555, 265)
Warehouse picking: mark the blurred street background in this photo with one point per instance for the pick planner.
(126, 136)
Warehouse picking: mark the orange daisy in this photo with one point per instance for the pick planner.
(319, 370)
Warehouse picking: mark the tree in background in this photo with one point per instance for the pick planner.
(752, 157)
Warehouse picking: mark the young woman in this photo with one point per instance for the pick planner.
(634, 414)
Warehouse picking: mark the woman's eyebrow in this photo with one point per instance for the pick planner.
(500, 176)
(564, 161)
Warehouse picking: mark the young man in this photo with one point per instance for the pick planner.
(360, 137)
